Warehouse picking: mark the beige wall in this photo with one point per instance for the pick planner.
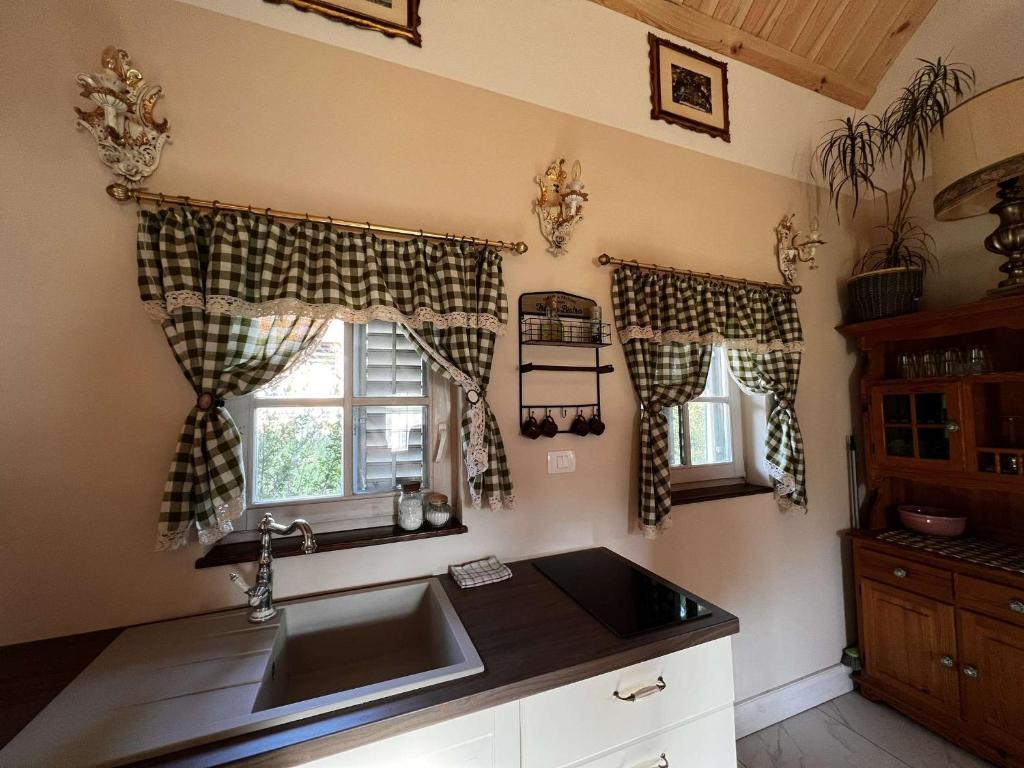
(92, 400)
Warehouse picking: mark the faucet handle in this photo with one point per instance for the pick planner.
(239, 582)
(255, 594)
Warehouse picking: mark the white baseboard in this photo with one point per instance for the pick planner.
(790, 699)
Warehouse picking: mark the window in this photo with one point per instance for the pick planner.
(334, 438)
(706, 436)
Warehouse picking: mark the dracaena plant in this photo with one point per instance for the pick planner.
(850, 156)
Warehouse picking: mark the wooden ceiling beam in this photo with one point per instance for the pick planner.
(703, 30)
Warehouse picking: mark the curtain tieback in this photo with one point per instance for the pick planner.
(654, 407)
(207, 401)
(785, 403)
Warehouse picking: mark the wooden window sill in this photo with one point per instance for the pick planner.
(244, 546)
(691, 495)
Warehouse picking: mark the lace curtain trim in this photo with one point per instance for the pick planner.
(226, 513)
(653, 531)
(231, 305)
(716, 339)
(785, 484)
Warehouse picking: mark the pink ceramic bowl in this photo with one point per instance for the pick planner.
(932, 520)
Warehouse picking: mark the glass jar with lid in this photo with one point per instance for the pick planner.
(438, 510)
(410, 507)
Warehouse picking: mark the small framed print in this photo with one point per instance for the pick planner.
(688, 88)
(394, 18)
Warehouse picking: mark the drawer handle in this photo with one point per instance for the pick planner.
(971, 672)
(899, 573)
(947, 661)
(661, 762)
(1017, 606)
(643, 693)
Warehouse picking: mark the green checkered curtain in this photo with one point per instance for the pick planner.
(668, 324)
(241, 296)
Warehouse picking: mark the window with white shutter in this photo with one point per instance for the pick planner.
(335, 437)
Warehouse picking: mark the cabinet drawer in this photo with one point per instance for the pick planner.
(906, 574)
(585, 719)
(708, 742)
(998, 600)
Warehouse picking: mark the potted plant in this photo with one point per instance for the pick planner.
(888, 279)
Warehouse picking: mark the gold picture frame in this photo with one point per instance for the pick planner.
(689, 89)
(394, 18)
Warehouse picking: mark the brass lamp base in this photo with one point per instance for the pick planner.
(1008, 238)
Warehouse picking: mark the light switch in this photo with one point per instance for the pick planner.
(561, 462)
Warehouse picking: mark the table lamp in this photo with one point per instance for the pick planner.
(978, 161)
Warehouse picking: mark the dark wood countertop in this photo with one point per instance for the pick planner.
(530, 635)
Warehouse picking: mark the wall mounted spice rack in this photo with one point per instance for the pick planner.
(560, 319)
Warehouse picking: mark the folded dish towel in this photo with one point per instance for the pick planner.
(480, 572)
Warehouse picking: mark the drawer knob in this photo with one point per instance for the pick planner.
(1017, 606)
(643, 692)
(947, 661)
(661, 762)
(971, 672)
(952, 426)
(899, 573)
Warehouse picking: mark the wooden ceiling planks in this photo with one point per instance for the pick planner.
(840, 48)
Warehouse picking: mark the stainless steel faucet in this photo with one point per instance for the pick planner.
(261, 595)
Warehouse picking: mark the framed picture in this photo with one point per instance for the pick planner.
(688, 88)
(394, 18)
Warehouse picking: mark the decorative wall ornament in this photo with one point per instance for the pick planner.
(128, 137)
(791, 253)
(560, 205)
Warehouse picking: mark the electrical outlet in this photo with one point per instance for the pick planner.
(561, 462)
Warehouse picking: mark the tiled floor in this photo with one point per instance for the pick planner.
(851, 732)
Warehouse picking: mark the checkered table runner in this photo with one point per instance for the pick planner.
(1006, 557)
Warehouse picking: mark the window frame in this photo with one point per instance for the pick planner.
(351, 510)
(723, 471)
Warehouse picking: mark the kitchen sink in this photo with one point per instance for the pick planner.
(340, 651)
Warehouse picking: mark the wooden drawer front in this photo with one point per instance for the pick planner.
(585, 719)
(906, 574)
(707, 742)
(999, 600)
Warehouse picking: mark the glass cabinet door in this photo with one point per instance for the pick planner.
(918, 426)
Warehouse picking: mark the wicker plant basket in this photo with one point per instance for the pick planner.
(884, 293)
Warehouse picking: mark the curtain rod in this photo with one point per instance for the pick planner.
(604, 260)
(122, 193)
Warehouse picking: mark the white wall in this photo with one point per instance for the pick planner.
(580, 58)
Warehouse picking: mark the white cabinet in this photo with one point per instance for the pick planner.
(486, 739)
(592, 716)
(681, 707)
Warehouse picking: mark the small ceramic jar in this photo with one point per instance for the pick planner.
(438, 511)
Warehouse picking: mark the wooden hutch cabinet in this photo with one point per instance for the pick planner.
(941, 621)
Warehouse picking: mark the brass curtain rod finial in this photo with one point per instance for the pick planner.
(520, 247)
(604, 259)
(120, 192)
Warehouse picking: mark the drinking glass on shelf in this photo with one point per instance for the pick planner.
(1012, 429)
(906, 365)
(979, 360)
(951, 363)
(929, 365)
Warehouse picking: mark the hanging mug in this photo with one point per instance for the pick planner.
(549, 427)
(580, 426)
(530, 428)
(595, 424)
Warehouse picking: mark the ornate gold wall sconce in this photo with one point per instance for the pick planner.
(128, 137)
(791, 253)
(559, 206)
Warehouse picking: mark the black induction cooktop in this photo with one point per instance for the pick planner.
(625, 598)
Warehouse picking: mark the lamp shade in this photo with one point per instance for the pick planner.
(981, 143)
